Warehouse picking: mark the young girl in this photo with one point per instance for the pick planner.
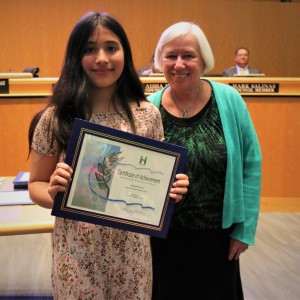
(98, 83)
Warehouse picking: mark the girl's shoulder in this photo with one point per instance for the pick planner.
(148, 120)
(144, 105)
(47, 115)
(42, 136)
(147, 104)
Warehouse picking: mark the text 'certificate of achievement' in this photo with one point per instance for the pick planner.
(120, 179)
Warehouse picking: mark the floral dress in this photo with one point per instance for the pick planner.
(97, 262)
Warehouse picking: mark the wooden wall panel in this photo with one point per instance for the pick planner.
(35, 32)
(16, 114)
(276, 41)
(277, 124)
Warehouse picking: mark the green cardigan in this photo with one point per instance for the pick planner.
(243, 173)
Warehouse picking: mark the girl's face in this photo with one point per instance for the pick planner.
(103, 60)
(182, 62)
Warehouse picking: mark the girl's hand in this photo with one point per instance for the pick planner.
(59, 179)
(179, 187)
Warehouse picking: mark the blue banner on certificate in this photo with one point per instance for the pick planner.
(120, 179)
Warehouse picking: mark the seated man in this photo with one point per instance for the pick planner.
(241, 59)
(146, 71)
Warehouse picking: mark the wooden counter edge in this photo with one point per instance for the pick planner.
(42, 87)
(28, 229)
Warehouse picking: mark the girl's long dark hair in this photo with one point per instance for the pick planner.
(71, 92)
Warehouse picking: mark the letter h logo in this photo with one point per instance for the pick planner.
(143, 160)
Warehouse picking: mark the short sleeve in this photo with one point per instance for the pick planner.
(158, 133)
(41, 141)
(148, 122)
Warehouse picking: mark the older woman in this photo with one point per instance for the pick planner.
(216, 220)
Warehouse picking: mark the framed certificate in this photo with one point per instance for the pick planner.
(120, 179)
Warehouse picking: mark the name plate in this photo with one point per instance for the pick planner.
(256, 87)
(4, 86)
(150, 88)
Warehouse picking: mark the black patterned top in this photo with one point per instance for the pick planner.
(202, 134)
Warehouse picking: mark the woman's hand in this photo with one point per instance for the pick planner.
(59, 179)
(179, 187)
(236, 249)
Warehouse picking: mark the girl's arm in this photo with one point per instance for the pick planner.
(47, 177)
(179, 187)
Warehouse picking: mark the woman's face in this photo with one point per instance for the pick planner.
(103, 60)
(182, 62)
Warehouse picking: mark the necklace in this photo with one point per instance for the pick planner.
(184, 111)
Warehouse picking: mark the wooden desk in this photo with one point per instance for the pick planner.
(12, 75)
(247, 86)
(25, 248)
(275, 115)
(23, 219)
(30, 87)
(42, 87)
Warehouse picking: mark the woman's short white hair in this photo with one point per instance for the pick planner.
(181, 29)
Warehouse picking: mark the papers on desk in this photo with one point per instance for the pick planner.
(21, 181)
(15, 198)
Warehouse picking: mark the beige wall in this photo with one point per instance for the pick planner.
(35, 32)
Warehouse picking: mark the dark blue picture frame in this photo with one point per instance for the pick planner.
(82, 129)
